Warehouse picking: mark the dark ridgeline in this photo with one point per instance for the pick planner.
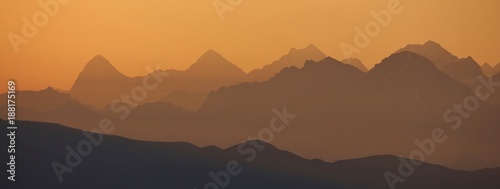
(123, 163)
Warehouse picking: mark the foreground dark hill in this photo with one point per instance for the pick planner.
(118, 162)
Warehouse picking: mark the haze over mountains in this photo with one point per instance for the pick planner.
(344, 111)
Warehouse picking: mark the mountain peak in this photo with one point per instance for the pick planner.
(311, 48)
(486, 65)
(213, 63)
(210, 53)
(100, 66)
(211, 57)
(432, 43)
(432, 51)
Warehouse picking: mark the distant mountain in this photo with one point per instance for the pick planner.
(295, 57)
(213, 65)
(464, 70)
(356, 63)
(210, 72)
(487, 70)
(117, 162)
(433, 51)
(100, 83)
(39, 101)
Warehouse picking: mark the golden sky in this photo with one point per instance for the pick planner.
(174, 33)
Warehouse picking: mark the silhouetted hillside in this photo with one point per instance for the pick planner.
(117, 162)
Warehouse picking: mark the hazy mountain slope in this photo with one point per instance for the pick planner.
(295, 57)
(39, 101)
(356, 63)
(100, 83)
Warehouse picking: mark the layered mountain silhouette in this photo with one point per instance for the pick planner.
(99, 84)
(116, 162)
(356, 63)
(342, 111)
(464, 70)
(295, 57)
(490, 71)
(433, 51)
(405, 95)
(39, 101)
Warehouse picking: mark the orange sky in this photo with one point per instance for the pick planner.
(174, 33)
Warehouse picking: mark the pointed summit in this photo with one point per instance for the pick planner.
(431, 43)
(214, 64)
(432, 51)
(100, 67)
(210, 55)
(99, 76)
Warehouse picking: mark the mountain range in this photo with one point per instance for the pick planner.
(344, 111)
